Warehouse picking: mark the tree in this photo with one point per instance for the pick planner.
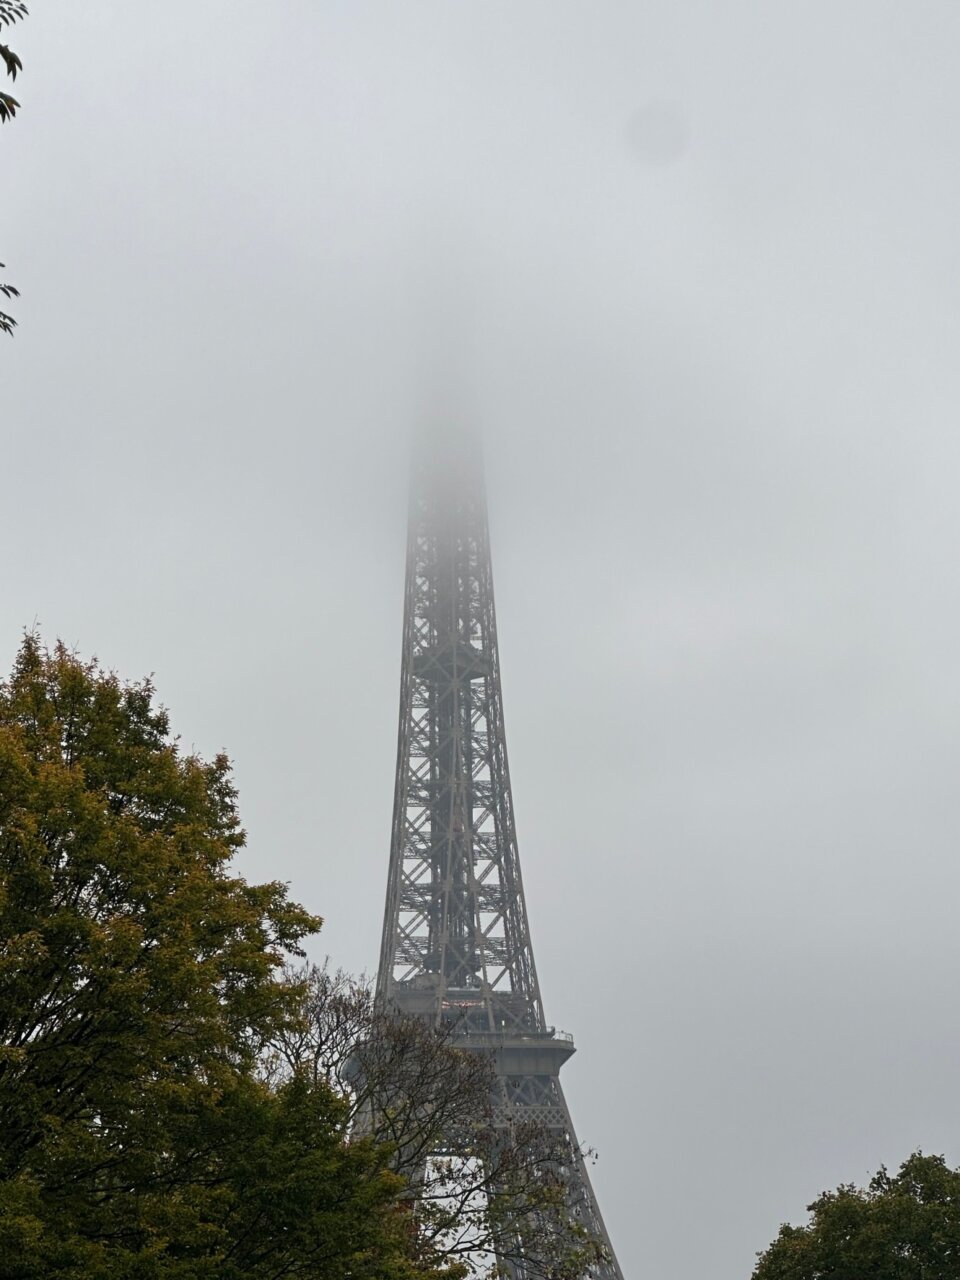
(176, 1101)
(140, 980)
(902, 1227)
(477, 1190)
(11, 11)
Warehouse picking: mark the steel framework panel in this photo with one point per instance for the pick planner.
(456, 939)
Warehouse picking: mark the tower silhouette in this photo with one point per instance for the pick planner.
(456, 942)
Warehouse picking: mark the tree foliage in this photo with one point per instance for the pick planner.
(179, 1100)
(140, 980)
(483, 1195)
(11, 11)
(900, 1227)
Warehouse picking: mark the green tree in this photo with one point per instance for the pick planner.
(139, 982)
(11, 11)
(902, 1227)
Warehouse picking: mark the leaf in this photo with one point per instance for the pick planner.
(12, 61)
(11, 11)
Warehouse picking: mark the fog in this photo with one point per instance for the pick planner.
(692, 268)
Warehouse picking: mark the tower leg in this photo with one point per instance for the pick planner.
(539, 1100)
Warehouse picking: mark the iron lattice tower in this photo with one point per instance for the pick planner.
(456, 942)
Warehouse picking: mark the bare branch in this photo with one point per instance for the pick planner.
(480, 1194)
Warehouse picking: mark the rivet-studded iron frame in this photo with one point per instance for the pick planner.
(456, 942)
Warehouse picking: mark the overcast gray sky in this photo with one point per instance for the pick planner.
(696, 267)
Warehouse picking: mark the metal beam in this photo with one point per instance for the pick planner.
(456, 940)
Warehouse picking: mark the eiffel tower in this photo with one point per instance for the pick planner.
(456, 942)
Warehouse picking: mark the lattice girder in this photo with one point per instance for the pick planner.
(456, 938)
